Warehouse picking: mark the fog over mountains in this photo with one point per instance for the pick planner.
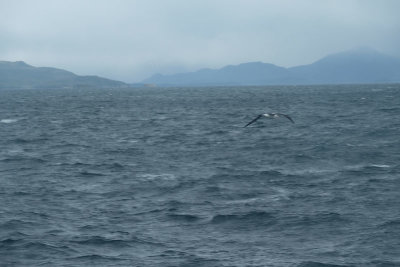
(361, 65)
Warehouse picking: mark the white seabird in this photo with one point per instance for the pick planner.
(271, 116)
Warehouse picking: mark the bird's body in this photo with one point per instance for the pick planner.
(269, 115)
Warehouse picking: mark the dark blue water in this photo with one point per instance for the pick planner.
(169, 177)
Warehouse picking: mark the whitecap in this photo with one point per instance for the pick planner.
(124, 140)
(380, 165)
(309, 171)
(356, 167)
(122, 118)
(359, 167)
(16, 150)
(8, 120)
(153, 177)
(281, 193)
(244, 201)
(162, 117)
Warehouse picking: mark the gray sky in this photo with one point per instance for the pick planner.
(130, 40)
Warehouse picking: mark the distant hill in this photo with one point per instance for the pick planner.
(361, 65)
(19, 75)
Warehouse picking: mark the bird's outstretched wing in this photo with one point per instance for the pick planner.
(256, 118)
(287, 116)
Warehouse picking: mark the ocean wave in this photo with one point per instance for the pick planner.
(43, 246)
(184, 217)
(320, 264)
(9, 242)
(392, 223)
(391, 109)
(21, 140)
(253, 217)
(15, 224)
(23, 160)
(173, 257)
(91, 173)
(102, 241)
(115, 166)
(118, 239)
(321, 218)
(385, 263)
(391, 227)
(366, 168)
(245, 175)
(309, 171)
(75, 163)
(38, 248)
(94, 257)
(101, 260)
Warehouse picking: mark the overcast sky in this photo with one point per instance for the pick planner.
(130, 40)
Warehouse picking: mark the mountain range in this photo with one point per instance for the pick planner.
(360, 65)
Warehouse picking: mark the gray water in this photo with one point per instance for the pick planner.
(169, 177)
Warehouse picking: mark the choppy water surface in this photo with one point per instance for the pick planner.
(169, 177)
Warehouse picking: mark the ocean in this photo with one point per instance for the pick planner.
(170, 177)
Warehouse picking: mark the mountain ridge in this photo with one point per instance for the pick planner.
(359, 65)
(20, 75)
